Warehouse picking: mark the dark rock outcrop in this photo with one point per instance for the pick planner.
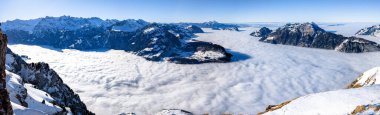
(373, 31)
(263, 32)
(44, 78)
(310, 35)
(155, 42)
(5, 104)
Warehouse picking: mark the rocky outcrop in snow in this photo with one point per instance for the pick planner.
(368, 78)
(369, 109)
(5, 105)
(373, 31)
(155, 42)
(28, 100)
(42, 77)
(263, 32)
(311, 35)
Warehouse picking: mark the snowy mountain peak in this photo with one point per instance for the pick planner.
(368, 78)
(373, 31)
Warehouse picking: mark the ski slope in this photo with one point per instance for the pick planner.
(114, 81)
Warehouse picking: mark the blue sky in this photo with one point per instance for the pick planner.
(232, 11)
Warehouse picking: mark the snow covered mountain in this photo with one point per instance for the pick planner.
(363, 99)
(311, 35)
(42, 77)
(25, 25)
(373, 31)
(34, 88)
(155, 42)
(28, 100)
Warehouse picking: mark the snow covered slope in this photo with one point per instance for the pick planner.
(262, 74)
(28, 100)
(362, 100)
(340, 102)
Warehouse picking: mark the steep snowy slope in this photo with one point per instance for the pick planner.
(26, 99)
(262, 74)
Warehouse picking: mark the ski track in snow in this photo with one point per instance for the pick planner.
(114, 81)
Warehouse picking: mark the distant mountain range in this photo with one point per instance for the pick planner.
(153, 41)
(311, 35)
(213, 25)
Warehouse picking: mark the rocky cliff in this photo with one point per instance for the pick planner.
(42, 77)
(5, 104)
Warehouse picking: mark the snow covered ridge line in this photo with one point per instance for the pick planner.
(153, 41)
(312, 36)
(373, 31)
(355, 100)
(44, 79)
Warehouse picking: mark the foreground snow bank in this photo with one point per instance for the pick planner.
(361, 100)
(338, 102)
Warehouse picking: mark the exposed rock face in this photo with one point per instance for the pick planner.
(370, 109)
(46, 79)
(28, 100)
(373, 31)
(5, 104)
(263, 32)
(155, 42)
(310, 35)
(368, 78)
(194, 29)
